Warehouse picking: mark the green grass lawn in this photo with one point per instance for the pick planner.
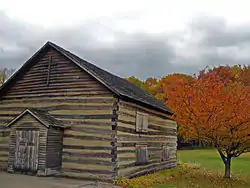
(211, 160)
(198, 169)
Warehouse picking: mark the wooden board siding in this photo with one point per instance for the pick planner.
(78, 100)
(28, 122)
(161, 130)
(26, 153)
(4, 149)
(54, 150)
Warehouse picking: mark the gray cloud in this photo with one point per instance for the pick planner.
(206, 41)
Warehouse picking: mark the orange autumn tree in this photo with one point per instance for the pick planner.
(169, 82)
(236, 73)
(213, 112)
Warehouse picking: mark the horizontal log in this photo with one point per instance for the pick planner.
(73, 141)
(4, 134)
(31, 88)
(66, 76)
(91, 130)
(87, 176)
(94, 155)
(86, 122)
(4, 141)
(162, 128)
(150, 169)
(86, 166)
(126, 143)
(2, 155)
(8, 115)
(40, 69)
(37, 76)
(126, 158)
(80, 137)
(134, 164)
(144, 138)
(99, 116)
(89, 171)
(54, 94)
(65, 81)
(80, 100)
(87, 161)
(87, 93)
(87, 147)
(170, 132)
(55, 67)
(52, 89)
(126, 151)
(126, 122)
(4, 147)
(42, 66)
(84, 112)
(134, 168)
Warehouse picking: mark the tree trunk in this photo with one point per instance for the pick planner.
(228, 168)
(227, 161)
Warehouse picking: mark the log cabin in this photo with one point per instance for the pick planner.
(61, 115)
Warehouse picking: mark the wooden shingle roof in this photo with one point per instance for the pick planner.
(121, 87)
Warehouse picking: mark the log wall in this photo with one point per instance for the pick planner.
(78, 100)
(4, 148)
(161, 131)
(54, 150)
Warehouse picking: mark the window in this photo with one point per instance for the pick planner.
(165, 153)
(141, 122)
(141, 154)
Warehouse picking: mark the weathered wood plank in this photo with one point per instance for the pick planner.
(85, 160)
(90, 155)
(77, 142)
(95, 167)
(85, 137)
(86, 176)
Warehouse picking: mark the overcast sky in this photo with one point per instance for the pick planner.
(143, 38)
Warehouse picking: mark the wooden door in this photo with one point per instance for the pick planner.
(26, 156)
